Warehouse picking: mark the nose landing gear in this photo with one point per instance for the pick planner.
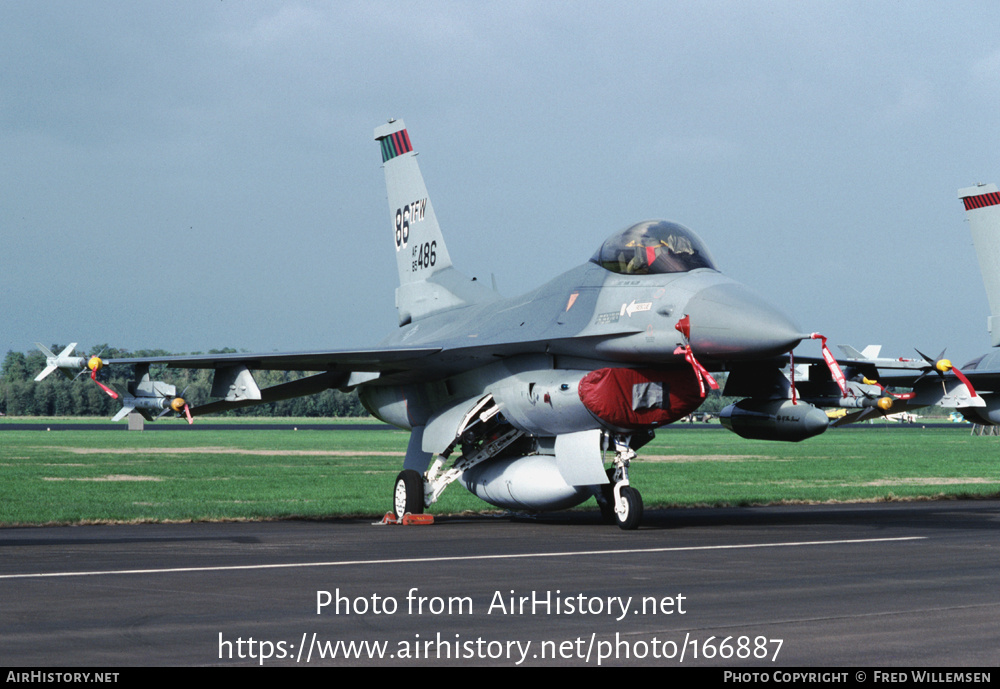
(620, 503)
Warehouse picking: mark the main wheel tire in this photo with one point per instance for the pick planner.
(633, 509)
(408, 494)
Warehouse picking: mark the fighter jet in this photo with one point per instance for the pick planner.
(536, 402)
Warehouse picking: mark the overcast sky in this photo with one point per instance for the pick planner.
(196, 175)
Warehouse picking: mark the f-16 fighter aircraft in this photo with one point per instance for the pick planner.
(525, 400)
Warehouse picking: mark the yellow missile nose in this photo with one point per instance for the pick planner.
(95, 363)
(944, 365)
(178, 404)
(885, 403)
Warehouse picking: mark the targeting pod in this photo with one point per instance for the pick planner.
(774, 420)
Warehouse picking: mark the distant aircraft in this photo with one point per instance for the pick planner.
(982, 208)
(972, 390)
(524, 400)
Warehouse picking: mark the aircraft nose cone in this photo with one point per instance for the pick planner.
(730, 321)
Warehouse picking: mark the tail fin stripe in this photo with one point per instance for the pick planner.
(981, 201)
(402, 142)
(395, 144)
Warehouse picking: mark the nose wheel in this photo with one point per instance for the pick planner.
(408, 494)
(628, 511)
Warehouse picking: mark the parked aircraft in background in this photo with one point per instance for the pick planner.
(973, 390)
(525, 400)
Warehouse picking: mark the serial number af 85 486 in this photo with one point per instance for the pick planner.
(424, 255)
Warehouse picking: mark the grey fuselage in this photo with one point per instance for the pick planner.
(587, 318)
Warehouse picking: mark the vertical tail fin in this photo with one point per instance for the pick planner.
(982, 207)
(427, 282)
(420, 249)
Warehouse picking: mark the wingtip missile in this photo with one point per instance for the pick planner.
(60, 362)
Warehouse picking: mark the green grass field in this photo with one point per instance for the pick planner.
(70, 477)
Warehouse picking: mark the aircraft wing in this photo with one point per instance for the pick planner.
(970, 390)
(983, 381)
(401, 364)
(234, 384)
(374, 360)
(866, 382)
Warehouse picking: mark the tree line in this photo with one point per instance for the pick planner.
(57, 395)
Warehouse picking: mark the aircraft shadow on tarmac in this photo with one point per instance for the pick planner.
(963, 514)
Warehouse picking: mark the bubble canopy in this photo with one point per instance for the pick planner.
(653, 247)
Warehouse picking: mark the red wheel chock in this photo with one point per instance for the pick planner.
(407, 520)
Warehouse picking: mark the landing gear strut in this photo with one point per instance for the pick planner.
(623, 503)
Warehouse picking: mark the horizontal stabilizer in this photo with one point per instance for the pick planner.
(295, 388)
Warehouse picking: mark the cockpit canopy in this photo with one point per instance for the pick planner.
(651, 247)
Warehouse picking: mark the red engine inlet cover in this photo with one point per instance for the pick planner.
(635, 398)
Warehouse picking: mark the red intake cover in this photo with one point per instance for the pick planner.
(626, 397)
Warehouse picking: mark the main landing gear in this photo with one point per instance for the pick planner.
(408, 495)
(482, 434)
(413, 493)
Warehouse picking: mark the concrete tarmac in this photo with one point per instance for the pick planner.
(876, 585)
